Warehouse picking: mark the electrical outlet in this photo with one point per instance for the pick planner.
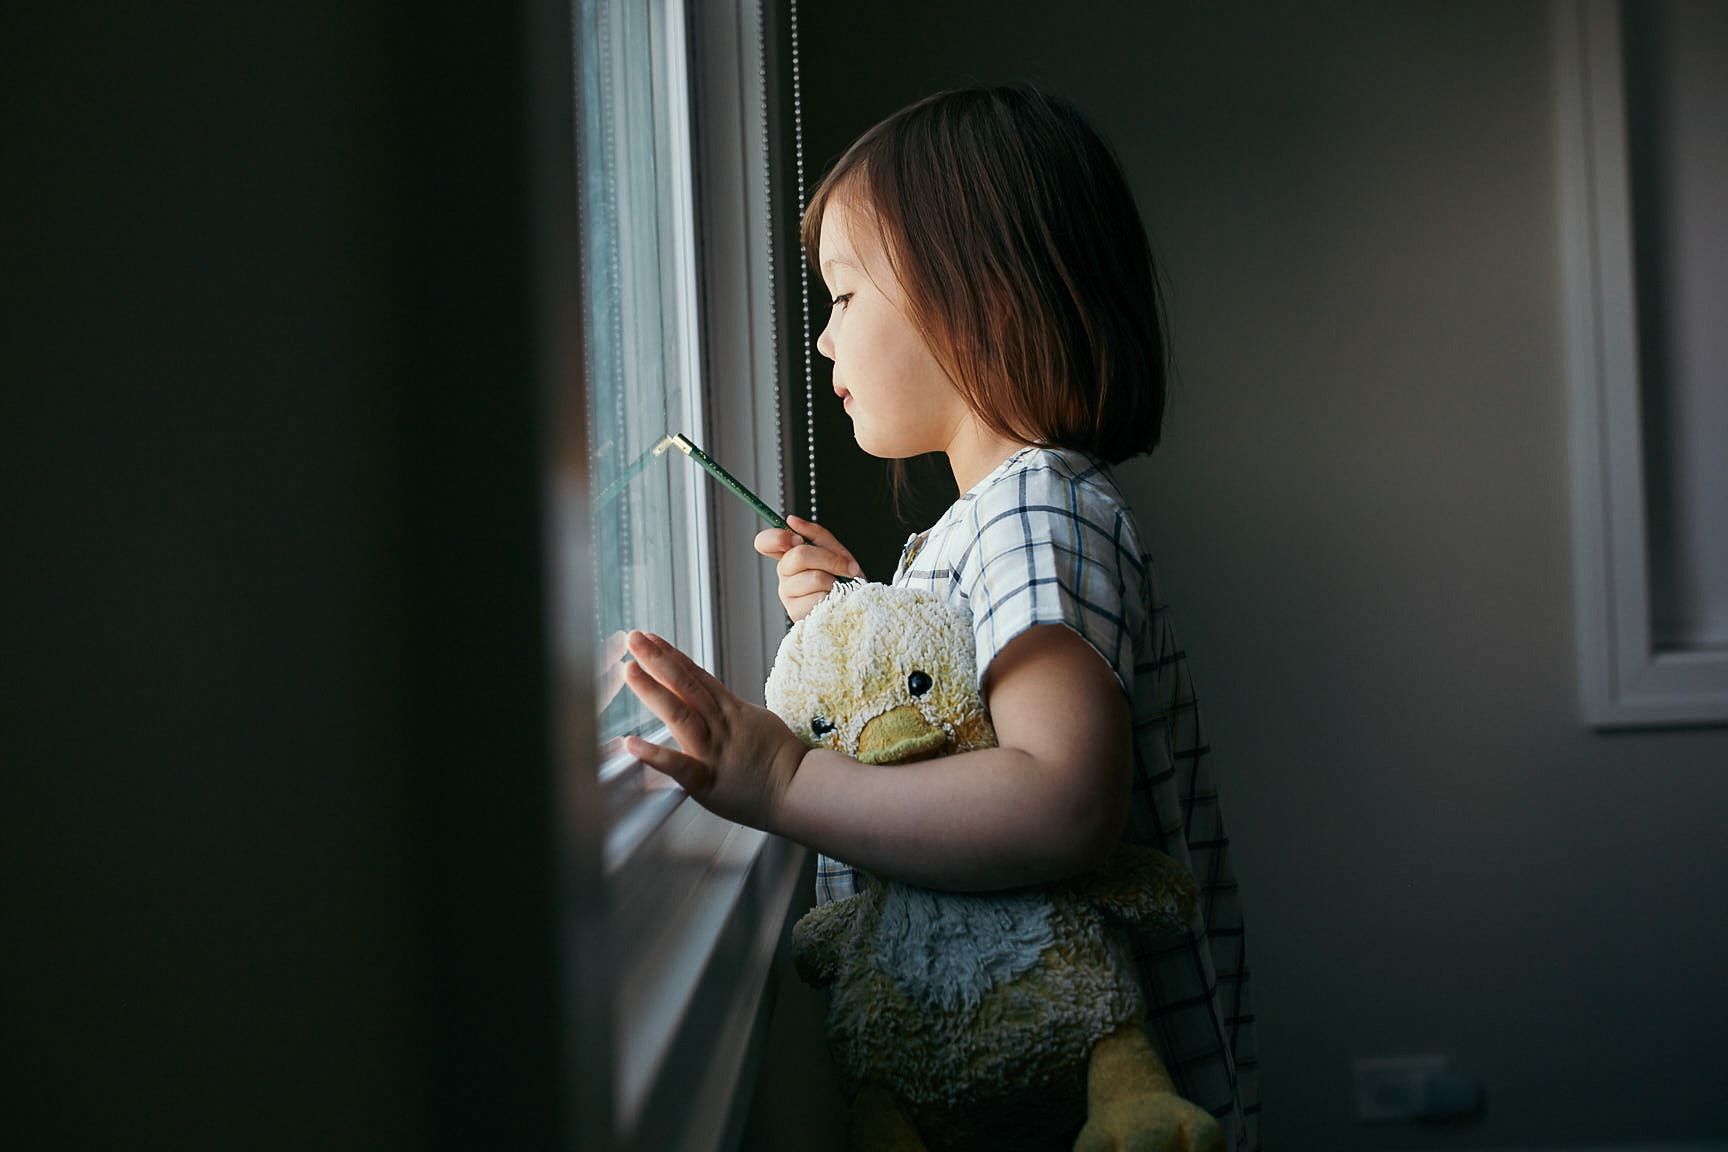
(1395, 1087)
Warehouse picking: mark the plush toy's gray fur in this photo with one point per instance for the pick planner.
(960, 1005)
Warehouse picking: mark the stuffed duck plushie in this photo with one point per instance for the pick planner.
(1007, 1019)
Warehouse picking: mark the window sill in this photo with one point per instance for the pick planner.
(699, 907)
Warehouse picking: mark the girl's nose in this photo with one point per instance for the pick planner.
(825, 342)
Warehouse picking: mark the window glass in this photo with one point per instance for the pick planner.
(637, 268)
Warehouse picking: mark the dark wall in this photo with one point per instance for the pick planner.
(274, 833)
(1361, 511)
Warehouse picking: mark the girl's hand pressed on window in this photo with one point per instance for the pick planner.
(733, 758)
(808, 560)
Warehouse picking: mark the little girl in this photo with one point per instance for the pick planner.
(995, 300)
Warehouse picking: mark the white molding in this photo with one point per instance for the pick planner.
(686, 272)
(740, 360)
(1625, 680)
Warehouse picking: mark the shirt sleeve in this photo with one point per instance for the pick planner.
(834, 880)
(1048, 548)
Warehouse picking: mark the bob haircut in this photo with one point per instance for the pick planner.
(1026, 267)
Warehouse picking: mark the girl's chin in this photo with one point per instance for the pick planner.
(884, 443)
(871, 447)
(865, 441)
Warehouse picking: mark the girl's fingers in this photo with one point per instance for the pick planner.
(691, 703)
(685, 722)
(798, 607)
(730, 757)
(776, 542)
(810, 558)
(814, 533)
(676, 671)
(809, 583)
(819, 549)
(691, 774)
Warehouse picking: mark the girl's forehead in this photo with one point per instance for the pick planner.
(849, 236)
(837, 230)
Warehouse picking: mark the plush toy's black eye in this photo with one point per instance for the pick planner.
(919, 683)
(821, 725)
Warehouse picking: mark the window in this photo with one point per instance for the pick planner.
(649, 549)
(640, 322)
(1651, 558)
(678, 335)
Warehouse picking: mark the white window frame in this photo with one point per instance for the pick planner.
(1626, 679)
(674, 916)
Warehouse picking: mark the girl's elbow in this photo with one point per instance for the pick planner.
(1091, 833)
(1106, 837)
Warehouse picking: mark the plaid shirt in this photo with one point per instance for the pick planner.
(1048, 539)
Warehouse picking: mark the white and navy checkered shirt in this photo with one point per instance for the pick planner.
(1048, 539)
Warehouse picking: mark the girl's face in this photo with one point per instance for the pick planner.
(900, 401)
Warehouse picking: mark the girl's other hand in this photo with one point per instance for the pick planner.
(808, 561)
(734, 758)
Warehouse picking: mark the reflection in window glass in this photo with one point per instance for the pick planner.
(635, 236)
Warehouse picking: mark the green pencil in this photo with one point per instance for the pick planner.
(682, 442)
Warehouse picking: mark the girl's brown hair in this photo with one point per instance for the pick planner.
(1026, 268)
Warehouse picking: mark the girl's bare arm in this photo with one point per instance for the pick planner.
(1047, 803)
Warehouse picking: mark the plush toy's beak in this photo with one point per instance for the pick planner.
(900, 736)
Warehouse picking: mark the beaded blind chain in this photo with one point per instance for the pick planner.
(763, 126)
(803, 263)
(764, 14)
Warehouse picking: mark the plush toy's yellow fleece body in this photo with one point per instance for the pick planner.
(978, 1013)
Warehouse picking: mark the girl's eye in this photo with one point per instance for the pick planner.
(821, 725)
(841, 301)
(918, 683)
